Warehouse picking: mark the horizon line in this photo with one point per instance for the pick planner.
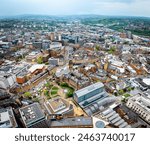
(65, 15)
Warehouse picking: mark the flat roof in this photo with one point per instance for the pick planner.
(56, 104)
(76, 121)
(31, 113)
(35, 67)
(89, 89)
(146, 81)
(7, 119)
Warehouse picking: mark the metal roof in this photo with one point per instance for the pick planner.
(89, 89)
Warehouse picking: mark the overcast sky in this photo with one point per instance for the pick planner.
(70, 7)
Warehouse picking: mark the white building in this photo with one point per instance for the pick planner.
(7, 119)
(141, 105)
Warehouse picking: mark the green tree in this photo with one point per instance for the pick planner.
(121, 92)
(27, 94)
(112, 50)
(46, 93)
(97, 47)
(40, 60)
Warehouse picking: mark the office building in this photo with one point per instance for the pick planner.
(33, 117)
(59, 106)
(93, 98)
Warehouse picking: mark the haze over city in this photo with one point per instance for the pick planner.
(75, 64)
(75, 7)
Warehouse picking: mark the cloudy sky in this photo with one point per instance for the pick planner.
(70, 7)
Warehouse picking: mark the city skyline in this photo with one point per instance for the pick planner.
(75, 7)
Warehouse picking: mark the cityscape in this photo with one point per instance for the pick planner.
(74, 71)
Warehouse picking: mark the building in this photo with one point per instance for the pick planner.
(143, 83)
(33, 117)
(33, 56)
(7, 118)
(52, 36)
(114, 118)
(76, 122)
(9, 73)
(55, 45)
(59, 106)
(53, 61)
(62, 71)
(93, 98)
(76, 80)
(37, 45)
(36, 68)
(140, 104)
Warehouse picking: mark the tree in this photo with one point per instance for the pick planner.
(40, 60)
(112, 50)
(46, 93)
(121, 92)
(48, 85)
(97, 47)
(27, 94)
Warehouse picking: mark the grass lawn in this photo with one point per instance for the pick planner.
(54, 90)
(70, 90)
(126, 95)
(53, 93)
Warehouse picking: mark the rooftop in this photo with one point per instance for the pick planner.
(89, 89)
(35, 67)
(7, 119)
(31, 113)
(73, 122)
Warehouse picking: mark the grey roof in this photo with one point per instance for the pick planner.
(110, 114)
(90, 109)
(113, 117)
(107, 111)
(116, 120)
(120, 122)
(128, 126)
(123, 125)
(77, 121)
(89, 89)
(31, 113)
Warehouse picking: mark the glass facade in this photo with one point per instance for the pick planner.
(89, 95)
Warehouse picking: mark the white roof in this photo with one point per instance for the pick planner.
(117, 63)
(147, 81)
(35, 67)
(89, 89)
